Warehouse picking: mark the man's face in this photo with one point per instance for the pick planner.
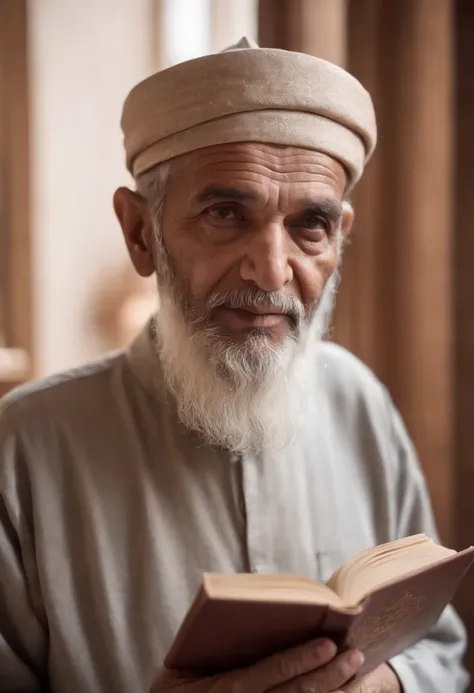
(252, 234)
(245, 253)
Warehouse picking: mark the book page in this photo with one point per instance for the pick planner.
(269, 588)
(364, 573)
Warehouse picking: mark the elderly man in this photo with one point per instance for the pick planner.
(228, 436)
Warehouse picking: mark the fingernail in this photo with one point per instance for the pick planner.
(326, 648)
(356, 658)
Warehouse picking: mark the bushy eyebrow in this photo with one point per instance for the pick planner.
(220, 192)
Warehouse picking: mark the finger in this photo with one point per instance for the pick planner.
(167, 679)
(288, 665)
(383, 678)
(330, 677)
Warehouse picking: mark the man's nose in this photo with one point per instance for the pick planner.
(266, 260)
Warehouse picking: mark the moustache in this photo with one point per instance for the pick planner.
(251, 297)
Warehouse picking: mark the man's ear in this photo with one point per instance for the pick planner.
(132, 212)
(347, 218)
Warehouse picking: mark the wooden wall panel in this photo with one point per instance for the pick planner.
(402, 276)
(15, 246)
(463, 237)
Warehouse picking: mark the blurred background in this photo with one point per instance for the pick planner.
(406, 303)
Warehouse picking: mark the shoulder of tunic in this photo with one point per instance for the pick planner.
(50, 397)
(354, 395)
(340, 371)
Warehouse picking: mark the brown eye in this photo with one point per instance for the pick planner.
(315, 223)
(223, 213)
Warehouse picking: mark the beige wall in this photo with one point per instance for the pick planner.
(232, 19)
(84, 58)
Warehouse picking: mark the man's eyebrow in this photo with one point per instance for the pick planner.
(331, 209)
(220, 192)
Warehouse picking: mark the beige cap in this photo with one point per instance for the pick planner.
(249, 94)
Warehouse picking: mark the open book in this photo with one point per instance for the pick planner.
(381, 601)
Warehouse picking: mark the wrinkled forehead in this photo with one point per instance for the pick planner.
(255, 165)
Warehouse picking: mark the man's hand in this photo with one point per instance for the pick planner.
(381, 680)
(313, 668)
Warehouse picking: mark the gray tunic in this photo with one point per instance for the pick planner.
(110, 510)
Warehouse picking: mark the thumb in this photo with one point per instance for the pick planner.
(167, 679)
(285, 666)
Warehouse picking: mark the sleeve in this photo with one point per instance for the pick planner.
(434, 665)
(23, 633)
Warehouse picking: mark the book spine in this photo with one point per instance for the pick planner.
(337, 626)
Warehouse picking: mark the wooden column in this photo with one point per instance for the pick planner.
(16, 340)
(463, 236)
(403, 240)
(310, 26)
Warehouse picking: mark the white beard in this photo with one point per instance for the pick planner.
(237, 397)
